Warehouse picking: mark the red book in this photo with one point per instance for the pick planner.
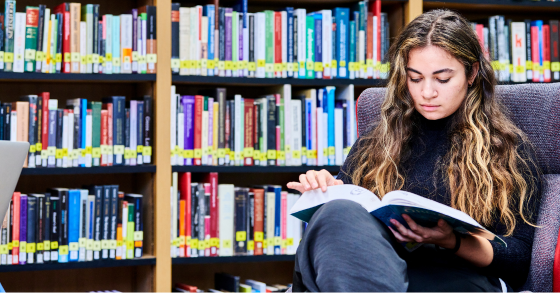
(182, 215)
(109, 108)
(278, 44)
(546, 52)
(377, 12)
(187, 288)
(256, 125)
(45, 122)
(480, 34)
(284, 219)
(64, 8)
(535, 53)
(185, 189)
(104, 137)
(198, 109)
(248, 136)
(212, 179)
(369, 44)
(259, 220)
(15, 231)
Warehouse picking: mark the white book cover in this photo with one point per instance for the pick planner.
(89, 220)
(321, 125)
(270, 214)
(173, 117)
(338, 136)
(346, 93)
(82, 240)
(89, 127)
(46, 42)
(133, 130)
(144, 33)
(83, 47)
(519, 54)
(292, 222)
(235, 43)
(116, 45)
(126, 43)
(65, 126)
(124, 229)
(501, 47)
(264, 128)
(238, 135)
(70, 137)
(180, 137)
(108, 44)
(298, 226)
(89, 41)
(193, 51)
(198, 23)
(226, 208)
(302, 41)
(361, 52)
(313, 96)
(327, 42)
(53, 105)
(260, 36)
(284, 20)
(204, 46)
(204, 142)
(296, 135)
(19, 42)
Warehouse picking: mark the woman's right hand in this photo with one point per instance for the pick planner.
(313, 180)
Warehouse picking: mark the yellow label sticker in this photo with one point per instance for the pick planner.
(309, 65)
(194, 243)
(319, 66)
(59, 154)
(38, 56)
(201, 245)
(284, 244)
(74, 246)
(261, 63)
(151, 58)
(40, 246)
(8, 57)
(129, 244)
(63, 250)
(138, 235)
(97, 245)
(290, 241)
(211, 64)
(281, 155)
(240, 236)
(147, 151)
(226, 244)
(96, 152)
(331, 151)
(271, 154)
(30, 54)
(251, 245)
(82, 242)
(555, 66)
(277, 241)
(296, 67)
(248, 152)
(4, 249)
(342, 63)
(176, 63)
(31, 247)
(32, 148)
(296, 154)
(252, 66)
(112, 244)
(333, 64)
(89, 244)
(47, 245)
(118, 150)
(256, 155)
(546, 65)
(259, 236)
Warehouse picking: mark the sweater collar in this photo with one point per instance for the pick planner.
(434, 125)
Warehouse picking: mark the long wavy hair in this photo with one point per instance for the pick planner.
(484, 168)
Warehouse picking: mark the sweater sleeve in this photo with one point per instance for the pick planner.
(512, 263)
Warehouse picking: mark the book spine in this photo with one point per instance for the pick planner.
(73, 224)
(554, 50)
(126, 43)
(240, 222)
(23, 230)
(19, 42)
(148, 130)
(135, 23)
(269, 43)
(113, 221)
(75, 36)
(546, 53)
(66, 35)
(116, 43)
(284, 43)
(212, 39)
(119, 219)
(40, 39)
(9, 24)
(175, 20)
(32, 23)
(194, 220)
(151, 39)
(185, 190)
(529, 55)
(277, 44)
(198, 111)
(63, 244)
(249, 135)
(83, 47)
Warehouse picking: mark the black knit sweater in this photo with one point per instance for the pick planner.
(424, 171)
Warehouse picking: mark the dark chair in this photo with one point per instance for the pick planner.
(535, 108)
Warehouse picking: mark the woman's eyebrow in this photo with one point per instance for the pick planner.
(448, 70)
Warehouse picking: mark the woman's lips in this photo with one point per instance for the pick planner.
(429, 108)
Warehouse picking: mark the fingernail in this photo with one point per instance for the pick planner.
(306, 186)
(315, 185)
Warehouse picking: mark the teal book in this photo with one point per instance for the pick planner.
(31, 26)
(310, 31)
(269, 41)
(9, 26)
(423, 211)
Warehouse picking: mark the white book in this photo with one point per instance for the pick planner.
(260, 44)
(108, 44)
(133, 130)
(246, 46)
(291, 229)
(204, 46)
(174, 212)
(82, 240)
(256, 286)
(42, 65)
(296, 134)
(502, 57)
(362, 52)
(19, 42)
(238, 135)
(374, 40)
(226, 202)
(89, 41)
(70, 136)
(204, 143)
(126, 43)
(284, 20)
(327, 42)
(235, 42)
(53, 105)
(198, 19)
(90, 223)
(144, 33)
(264, 128)
(64, 159)
(297, 224)
(180, 133)
(89, 125)
(519, 53)
(338, 136)
(184, 38)
(174, 157)
(270, 214)
(124, 229)
(83, 47)
(346, 93)
(301, 28)
(116, 44)
(193, 39)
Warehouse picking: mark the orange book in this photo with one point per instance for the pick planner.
(182, 205)
(22, 109)
(369, 46)
(185, 189)
(15, 228)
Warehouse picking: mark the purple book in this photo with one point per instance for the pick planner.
(134, 13)
(210, 128)
(188, 109)
(240, 54)
(23, 229)
(228, 38)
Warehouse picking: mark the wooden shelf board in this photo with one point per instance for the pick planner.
(75, 77)
(144, 261)
(243, 81)
(252, 169)
(498, 6)
(231, 259)
(90, 170)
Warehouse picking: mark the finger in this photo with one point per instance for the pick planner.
(339, 182)
(322, 180)
(311, 178)
(304, 182)
(412, 224)
(297, 186)
(398, 236)
(406, 232)
(399, 227)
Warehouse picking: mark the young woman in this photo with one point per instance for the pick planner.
(442, 135)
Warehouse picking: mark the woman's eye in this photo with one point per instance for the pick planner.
(417, 80)
(443, 81)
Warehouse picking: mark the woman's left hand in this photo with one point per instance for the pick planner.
(441, 235)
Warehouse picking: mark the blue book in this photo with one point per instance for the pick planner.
(23, 230)
(73, 223)
(290, 41)
(140, 131)
(352, 58)
(83, 130)
(318, 44)
(277, 217)
(329, 92)
(541, 49)
(394, 204)
(342, 16)
(116, 44)
(209, 11)
(308, 132)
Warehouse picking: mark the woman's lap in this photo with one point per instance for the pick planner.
(344, 248)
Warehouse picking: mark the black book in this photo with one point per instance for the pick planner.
(226, 282)
(222, 31)
(32, 132)
(303, 130)
(529, 69)
(47, 222)
(118, 127)
(59, 117)
(345, 139)
(31, 228)
(250, 221)
(40, 28)
(97, 191)
(120, 251)
(232, 131)
(554, 58)
(39, 234)
(38, 128)
(127, 133)
(201, 194)
(113, 217)
(95, 38)
(251, 25)
(175, 17)
(271, 129)
(60, 30)
(101, 45)
(10, 233)
(62, 215)
(195, 219)
(148, 130)
(139, 132)
(2, 117)
(55, 227)
(136, 199)
(221, 98)
(7, 125)
(295, 47)
(240, 222)
(105, 226)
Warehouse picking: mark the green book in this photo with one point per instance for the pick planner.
(269, 41)
(352, 53)
(54, 39)
(234, 42)
(282, 156)
(31, 27)
(310, 30)
(9, 26)
(95, 131)
(130, 232)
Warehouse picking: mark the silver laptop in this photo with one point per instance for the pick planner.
(12, 157)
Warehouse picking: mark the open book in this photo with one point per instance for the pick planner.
(423, 211)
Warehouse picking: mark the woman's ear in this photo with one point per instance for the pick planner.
(475, 68)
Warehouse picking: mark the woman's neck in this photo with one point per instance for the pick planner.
(434, 125)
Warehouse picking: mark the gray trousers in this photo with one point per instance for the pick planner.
(344, 248)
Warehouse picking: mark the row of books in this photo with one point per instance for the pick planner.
(75, 38)
(81, 134)
(69, 225)
(224, 282)
(316, 127)
(521, 51)
(211, 219)
(338, 43)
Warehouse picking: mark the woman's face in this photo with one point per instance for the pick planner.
(436, 81)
